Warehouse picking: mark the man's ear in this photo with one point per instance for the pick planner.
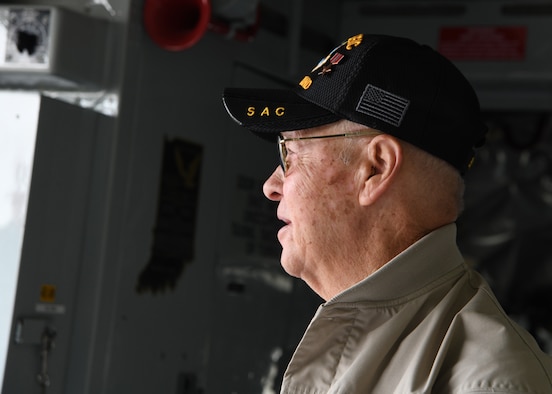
(382, 158)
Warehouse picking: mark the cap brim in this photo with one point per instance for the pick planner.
(268, 112)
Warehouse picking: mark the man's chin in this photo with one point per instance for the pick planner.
(292, 269)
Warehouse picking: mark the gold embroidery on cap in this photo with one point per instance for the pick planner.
(472, 160)
(306, 82)
(266, 111)
(354, 41)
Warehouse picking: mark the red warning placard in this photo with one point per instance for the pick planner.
(483, 42)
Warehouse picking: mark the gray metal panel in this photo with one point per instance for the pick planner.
(55, 240)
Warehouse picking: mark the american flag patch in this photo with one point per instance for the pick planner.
(382, 105)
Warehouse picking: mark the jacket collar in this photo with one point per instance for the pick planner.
(423, 262)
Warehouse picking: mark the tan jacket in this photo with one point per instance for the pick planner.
(424, 323)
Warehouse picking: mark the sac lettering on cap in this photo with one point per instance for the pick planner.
(265, 111)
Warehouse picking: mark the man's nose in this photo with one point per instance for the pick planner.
(272, 188)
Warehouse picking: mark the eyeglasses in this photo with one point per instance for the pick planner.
(282, 150)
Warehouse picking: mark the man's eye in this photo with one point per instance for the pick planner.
(288, 164)
(289, 157)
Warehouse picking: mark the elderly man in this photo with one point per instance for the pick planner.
(373, 143)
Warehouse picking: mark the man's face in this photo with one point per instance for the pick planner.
(317, 203)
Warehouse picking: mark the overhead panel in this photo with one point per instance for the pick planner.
(501, 47)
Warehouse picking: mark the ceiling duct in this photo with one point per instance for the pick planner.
(177, 25)
(235, 19)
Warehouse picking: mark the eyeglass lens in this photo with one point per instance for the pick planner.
(282, 153)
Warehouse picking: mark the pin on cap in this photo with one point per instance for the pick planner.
(391, 84)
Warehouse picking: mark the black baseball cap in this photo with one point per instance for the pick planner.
(391, 84)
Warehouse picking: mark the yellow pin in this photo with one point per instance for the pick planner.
(354, 41)
(306, 82)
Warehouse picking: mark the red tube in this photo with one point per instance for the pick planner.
(176, 25)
